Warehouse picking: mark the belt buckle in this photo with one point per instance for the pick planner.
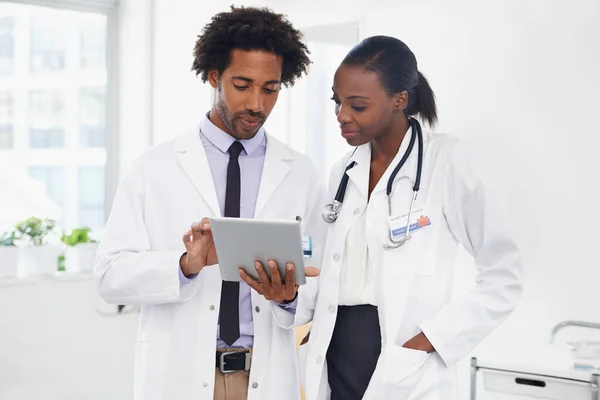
(222, 362)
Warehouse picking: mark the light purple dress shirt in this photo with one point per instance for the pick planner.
(216, 144)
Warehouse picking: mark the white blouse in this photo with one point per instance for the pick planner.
(356, 277)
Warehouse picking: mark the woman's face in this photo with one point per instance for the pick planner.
(363, 108)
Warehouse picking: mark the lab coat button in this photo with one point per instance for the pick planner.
(332, 308)
(212, 308)
(204, 385)
(319, 359)
(254, 385)
(356, 211)
(336, 257)
(257, 309)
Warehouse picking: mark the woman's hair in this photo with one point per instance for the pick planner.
(396, 66)
(249, 28)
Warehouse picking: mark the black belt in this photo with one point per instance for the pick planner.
(231, 361)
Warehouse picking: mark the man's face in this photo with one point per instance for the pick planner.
(246, 92)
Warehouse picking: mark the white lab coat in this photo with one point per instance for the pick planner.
(168, 189)
(414, 282)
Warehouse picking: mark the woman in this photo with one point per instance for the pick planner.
(385, 325)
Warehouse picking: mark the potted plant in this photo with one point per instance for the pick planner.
(81, 250)
(37, 255)
(9, 255)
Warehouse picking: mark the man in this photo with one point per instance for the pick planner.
(199, 337)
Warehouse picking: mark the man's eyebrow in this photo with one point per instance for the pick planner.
(250, 80)
(243, 78)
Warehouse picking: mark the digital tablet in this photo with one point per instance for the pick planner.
(240, 242)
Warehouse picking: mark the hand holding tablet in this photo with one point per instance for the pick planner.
(267, 255)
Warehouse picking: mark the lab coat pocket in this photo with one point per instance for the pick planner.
(399, 371)
(415, 257)
(403, 365)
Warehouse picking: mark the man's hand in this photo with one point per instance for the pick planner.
(274, 289)
(420, 342)
(200, 248)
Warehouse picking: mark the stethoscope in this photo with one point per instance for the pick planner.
(332, 210)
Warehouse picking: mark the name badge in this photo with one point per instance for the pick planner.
(307, 246)
(419, 219)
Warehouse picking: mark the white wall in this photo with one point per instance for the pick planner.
(519, 80)
(160, 96)
(180, 98)
(54, 345)
(134, 55)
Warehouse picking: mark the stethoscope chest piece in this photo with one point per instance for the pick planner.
(331, 211)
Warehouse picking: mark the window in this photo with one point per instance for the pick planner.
(46, 119)
(6, 136)
(6, 120)
(53, 112)
(91, 197)
(48, 42)
(93, 42)
(91, 117)
(6, 45)
(53, 179)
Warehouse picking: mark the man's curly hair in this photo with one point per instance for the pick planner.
(250, 28)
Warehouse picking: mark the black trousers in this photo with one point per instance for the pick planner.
(353, 351)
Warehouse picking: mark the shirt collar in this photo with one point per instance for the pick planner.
(223, 140)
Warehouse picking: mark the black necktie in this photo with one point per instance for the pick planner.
(229, 315)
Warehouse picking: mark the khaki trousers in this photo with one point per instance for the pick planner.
(233, 386)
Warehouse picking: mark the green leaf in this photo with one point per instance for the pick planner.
(78, 235)
(8, 239)
(61, 263)
(36, 229)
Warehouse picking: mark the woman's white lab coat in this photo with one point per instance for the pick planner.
(138, 263)
(414, 282)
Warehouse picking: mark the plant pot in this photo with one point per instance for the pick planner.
(81, 257)
(9, 261)
(39, 260)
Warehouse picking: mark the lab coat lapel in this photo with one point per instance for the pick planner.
(359, 174)
(276, 167)
(193, 161)
(355, 198)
